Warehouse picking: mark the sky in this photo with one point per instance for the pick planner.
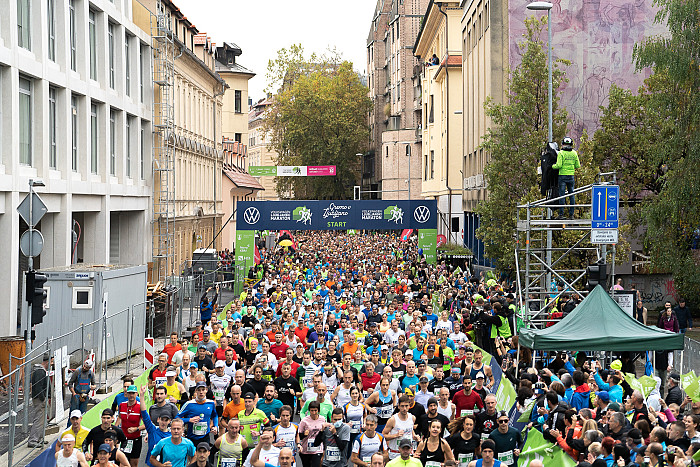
(261, 28)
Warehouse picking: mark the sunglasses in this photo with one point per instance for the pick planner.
(503, 421)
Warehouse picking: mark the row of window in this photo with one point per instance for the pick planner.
(114, 37)
(118, 122)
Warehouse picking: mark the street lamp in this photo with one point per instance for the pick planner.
(541, 6)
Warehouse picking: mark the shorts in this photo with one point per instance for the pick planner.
(135, 451)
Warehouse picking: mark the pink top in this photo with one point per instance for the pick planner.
(314, 427)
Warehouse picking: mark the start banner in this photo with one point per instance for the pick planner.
(336, 215)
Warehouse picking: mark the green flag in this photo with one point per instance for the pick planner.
(525, 416)
(536, 447)
(691, 385)
(505, 395)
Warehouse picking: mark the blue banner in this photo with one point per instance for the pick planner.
(336, 215)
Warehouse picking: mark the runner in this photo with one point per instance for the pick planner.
(400, 426)
(199, 415)
(69, 456)
(231, 445)
(175, 450)
(129, 419)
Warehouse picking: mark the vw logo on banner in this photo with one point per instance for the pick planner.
(421, 214)
(251, 215)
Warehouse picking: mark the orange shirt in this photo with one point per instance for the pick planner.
(231, 410)
(170, 350)
(347, 348)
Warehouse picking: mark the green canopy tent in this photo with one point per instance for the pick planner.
(598, 323)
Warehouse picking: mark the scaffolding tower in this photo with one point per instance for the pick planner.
(543, 254)
(163, 46)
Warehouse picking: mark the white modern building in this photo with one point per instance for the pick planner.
(75, 112)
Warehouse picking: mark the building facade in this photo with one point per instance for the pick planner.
(236, 182)
(195, 145)
(438, 46)
(259, 150)
(391, 167)
(75, 113)
(598, 41)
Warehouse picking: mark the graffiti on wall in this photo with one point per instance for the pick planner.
(654, 290)
(598, 36)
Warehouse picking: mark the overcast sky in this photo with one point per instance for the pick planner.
(260, 28)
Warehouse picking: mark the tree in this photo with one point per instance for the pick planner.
(318, 117)
(653, 140)
(515, 140)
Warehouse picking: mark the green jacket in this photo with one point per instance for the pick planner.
(567, 162)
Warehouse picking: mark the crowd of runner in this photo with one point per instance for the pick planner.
(352, 349)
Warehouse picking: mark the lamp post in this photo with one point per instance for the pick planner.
(541, 6)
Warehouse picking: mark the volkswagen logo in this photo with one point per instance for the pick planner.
(252, 215)
(421, 214)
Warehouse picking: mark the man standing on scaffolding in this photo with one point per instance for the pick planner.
(567, 163)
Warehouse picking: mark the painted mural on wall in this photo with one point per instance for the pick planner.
(598, 36)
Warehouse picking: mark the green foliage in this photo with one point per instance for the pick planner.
(653, 140)
(318, 117)
(515, 140)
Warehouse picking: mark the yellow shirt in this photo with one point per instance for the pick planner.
(79, 437)
(215, 336)
(173, 391)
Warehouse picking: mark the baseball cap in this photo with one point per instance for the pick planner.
(194, 365)
(409, 392)
(430, 347)
(169, 373)
(423, 379)
(203, 445)
(603, 395)
(132, 388)
(257, 326)
(219, 364)
(480, 375)
(77, 413)
(205, 332)
(198, 323)
(107, 411)
(432, 400)
(249, 395)
(405, 443)
(375, 352)
(614, 406)
(675, 377)
(67, 437)
(104, 447)
(200, 384)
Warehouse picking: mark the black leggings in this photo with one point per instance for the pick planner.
(310, 460)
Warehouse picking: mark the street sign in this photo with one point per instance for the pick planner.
(606, 207)
(604, 236)
(38, 209)
(35, 239)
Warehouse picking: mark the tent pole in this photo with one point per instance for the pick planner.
(517, 359)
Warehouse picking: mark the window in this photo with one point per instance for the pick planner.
(127, 153)
(24, 37)
(52, 127)
(142, 153)
(73, 35)
(74, 132)
(237, 104)
(141, 71)
(238, 137)
(25, 121)
(110, 51)
(398, 91)
(112, 142)
(432, 164)
(93, 138)
(431, 116)
(51, 20)
(93, 46)
(127, 60)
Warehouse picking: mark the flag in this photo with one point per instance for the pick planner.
(536, 447)
(256, 255)
(406, 234)
(691, 385)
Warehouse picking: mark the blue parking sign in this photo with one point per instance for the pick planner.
(606, 207)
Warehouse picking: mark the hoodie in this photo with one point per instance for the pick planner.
(581, 397)
(614, 390)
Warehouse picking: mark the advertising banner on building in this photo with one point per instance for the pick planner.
(427, 241)
(338, 215)
(292, 170)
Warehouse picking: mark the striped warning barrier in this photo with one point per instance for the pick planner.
(147, 353)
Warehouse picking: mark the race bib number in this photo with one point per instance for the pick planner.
(219, 395)
(506, 457)
(332, 454)
(432, 464)
(398, 374)
(484, 436)
(465, 459)
(199, 429)
(161, 380)
(355, 426)
(228, 462)
(385, 412)
(128, 447)
(367, 459)
(306, 381)
(465, 412)
(311, 449)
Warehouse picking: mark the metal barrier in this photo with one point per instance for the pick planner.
(114, 342)
(688, 358)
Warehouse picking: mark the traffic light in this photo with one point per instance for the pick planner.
(36, 295)
(597, 274)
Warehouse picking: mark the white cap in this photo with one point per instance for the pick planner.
(479, 375)
(257, 326)
(88, 363)
(170, 373)
(76, 414)
(67, 437)
(219, 364)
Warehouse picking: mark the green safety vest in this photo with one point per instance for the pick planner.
(503, 330)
